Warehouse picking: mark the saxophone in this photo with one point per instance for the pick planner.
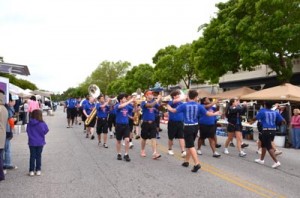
(136, 117)
(91, 116)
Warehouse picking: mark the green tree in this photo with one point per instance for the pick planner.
(106, 73)
(140, 76)
(24, 84)
(176, 64)
(117, 86)
(247, 33)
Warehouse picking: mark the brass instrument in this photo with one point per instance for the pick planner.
(94, 91)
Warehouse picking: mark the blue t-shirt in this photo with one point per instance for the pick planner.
(176, 117)
(122, 114)
(71, 103)
(84, 102)
(148, 113)
(88, 107)
(208, 120)
(191, 112)
(130, 112)
(102, 112)
(268, 118)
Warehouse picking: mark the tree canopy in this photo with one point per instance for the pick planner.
(176, 64)
(247, 33)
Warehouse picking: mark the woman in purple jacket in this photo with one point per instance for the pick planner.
(36, 130)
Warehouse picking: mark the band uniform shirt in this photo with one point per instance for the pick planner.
(88, 107)
(208, 120)
(102, 112)
(148, 114)
(269, 118)
(176, 117)
(71, 103)
(122, 114)
(191, 112)
(234, 115)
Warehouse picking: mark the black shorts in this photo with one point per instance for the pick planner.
(157, 121)
(148, 130)
(266, 139)
(130, 123)
(190, 134)
(122, 131)
(71, 113)
(102, 126)
(111, 120)
(92, 123)
(207, 131)
(234, 127)
(175, 130)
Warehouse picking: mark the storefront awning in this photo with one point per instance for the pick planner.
(14, 69)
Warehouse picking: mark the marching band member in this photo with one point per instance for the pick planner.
(207, 126)
(148, 125)
(191, 112)
(268, 119)
(102, 125)
(234, 114)
(175, 124)
(87, 110)
(82, 104)
(70, 105)
(122, 125)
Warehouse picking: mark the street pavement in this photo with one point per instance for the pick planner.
(74, 166)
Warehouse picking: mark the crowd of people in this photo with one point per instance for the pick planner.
(36, 129)
(188, 119)
(126, 117)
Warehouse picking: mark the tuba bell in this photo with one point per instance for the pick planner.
(94, 91)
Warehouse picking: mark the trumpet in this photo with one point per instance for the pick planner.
(94, 91)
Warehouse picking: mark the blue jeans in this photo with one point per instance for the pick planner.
(35, 161)
(296, 138)
(2, 177)
(283, 128)
(7, 154)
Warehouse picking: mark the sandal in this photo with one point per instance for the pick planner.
(143, 154)
(156, 155)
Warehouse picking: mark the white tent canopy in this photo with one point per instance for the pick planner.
(13, 89)
(42, 93)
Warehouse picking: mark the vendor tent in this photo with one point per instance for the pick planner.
(13, 89)
(235, 93)
(285, 92)
(42, 93)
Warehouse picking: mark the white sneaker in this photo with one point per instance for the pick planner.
(259, 161)
(183, 154)
(130, 145)
(170, 152)
(226, 151)
(38, 173)
(4, 172)
(275, 165)
(199, 152)
(242, 154)
(31, 173)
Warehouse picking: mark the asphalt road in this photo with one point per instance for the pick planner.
(74, 166)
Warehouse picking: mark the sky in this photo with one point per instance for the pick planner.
(63, 41)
